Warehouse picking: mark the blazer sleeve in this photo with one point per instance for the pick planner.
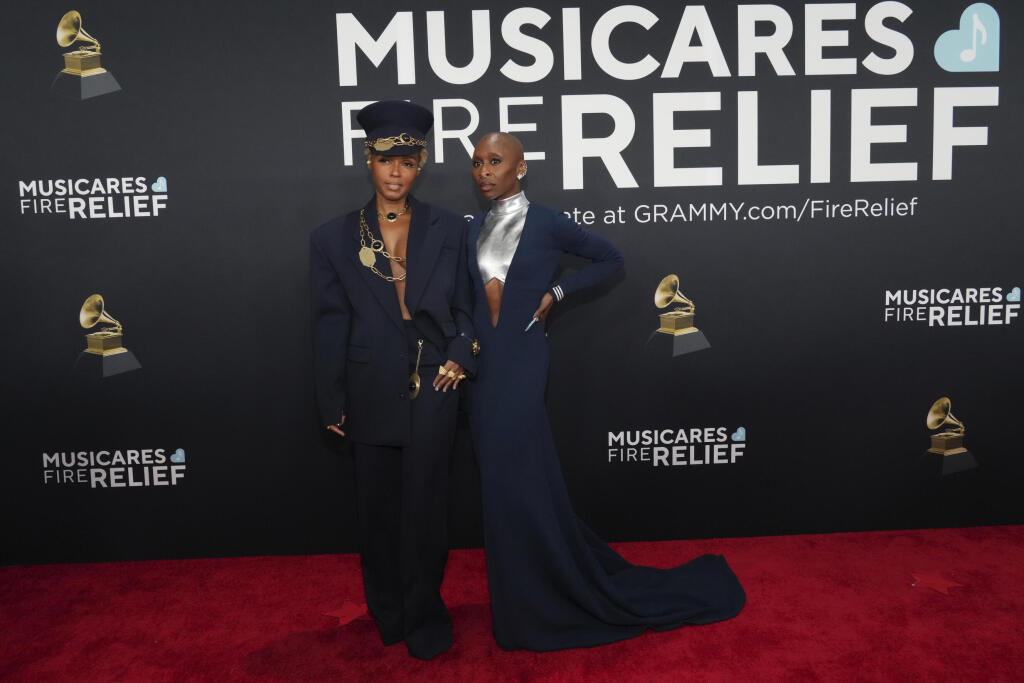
(604, 256)
(460, 348)
(332, 314)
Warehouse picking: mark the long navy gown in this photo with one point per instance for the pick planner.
(553, 583)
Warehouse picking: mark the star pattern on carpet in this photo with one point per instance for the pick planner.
(349, 611)
(934, 580)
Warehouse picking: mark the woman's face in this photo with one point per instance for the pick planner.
(495, 167)
(393, 176)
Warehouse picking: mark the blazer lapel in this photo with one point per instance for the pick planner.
(383, 290)
(425, 240)
(472, 235)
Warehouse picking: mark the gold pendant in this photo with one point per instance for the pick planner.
(367, 257)
(414, 378)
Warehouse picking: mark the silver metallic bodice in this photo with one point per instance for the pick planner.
(499, 236)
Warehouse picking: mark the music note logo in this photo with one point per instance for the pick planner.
(970, 53)
(975, 45)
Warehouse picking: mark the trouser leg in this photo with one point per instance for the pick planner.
(425, 461)
(379, 498)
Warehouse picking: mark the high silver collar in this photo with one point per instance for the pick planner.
(516, 202)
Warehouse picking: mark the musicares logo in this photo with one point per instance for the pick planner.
(124, 197)
(130, 468)
(677, 447)
(810, 49)
(952, 307)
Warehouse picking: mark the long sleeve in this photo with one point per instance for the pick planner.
(460, 348)
(604, 256)
(331, 319)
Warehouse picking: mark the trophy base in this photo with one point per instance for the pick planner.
(83, 74)
(950, 451)
(106, 352)
(959, 460)
(107, 365)
(678, 344)
(676, 323)
(85, 85)
(82, 62)
(104, 343)
(677, 333)
(947, 443)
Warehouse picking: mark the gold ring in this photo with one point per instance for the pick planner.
(451, 373)
(441, 370)
(462, 376)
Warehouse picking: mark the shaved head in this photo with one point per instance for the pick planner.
(513, 148)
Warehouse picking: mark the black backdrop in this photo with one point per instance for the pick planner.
(238, 106)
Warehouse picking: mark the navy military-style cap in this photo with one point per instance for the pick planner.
(395, 127)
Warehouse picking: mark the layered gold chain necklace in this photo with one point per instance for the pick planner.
(368, 252)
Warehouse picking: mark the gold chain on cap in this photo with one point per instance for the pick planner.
(384, 144)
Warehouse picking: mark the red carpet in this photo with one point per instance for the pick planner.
(831, 607)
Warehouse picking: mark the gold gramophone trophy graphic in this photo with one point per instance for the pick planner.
(676, 326)
(82, 76)
(105, 344)
(949, 443)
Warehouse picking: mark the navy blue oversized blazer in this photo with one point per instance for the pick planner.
(361, 355)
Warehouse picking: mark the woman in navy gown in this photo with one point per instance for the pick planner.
(553, 583)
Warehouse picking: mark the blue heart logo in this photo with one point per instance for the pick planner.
(178, 456)
(1014, 295)
(975, 45)
(740, 434)
(160, 185)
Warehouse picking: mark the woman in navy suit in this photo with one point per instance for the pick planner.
(393, 340)
(553, 583)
